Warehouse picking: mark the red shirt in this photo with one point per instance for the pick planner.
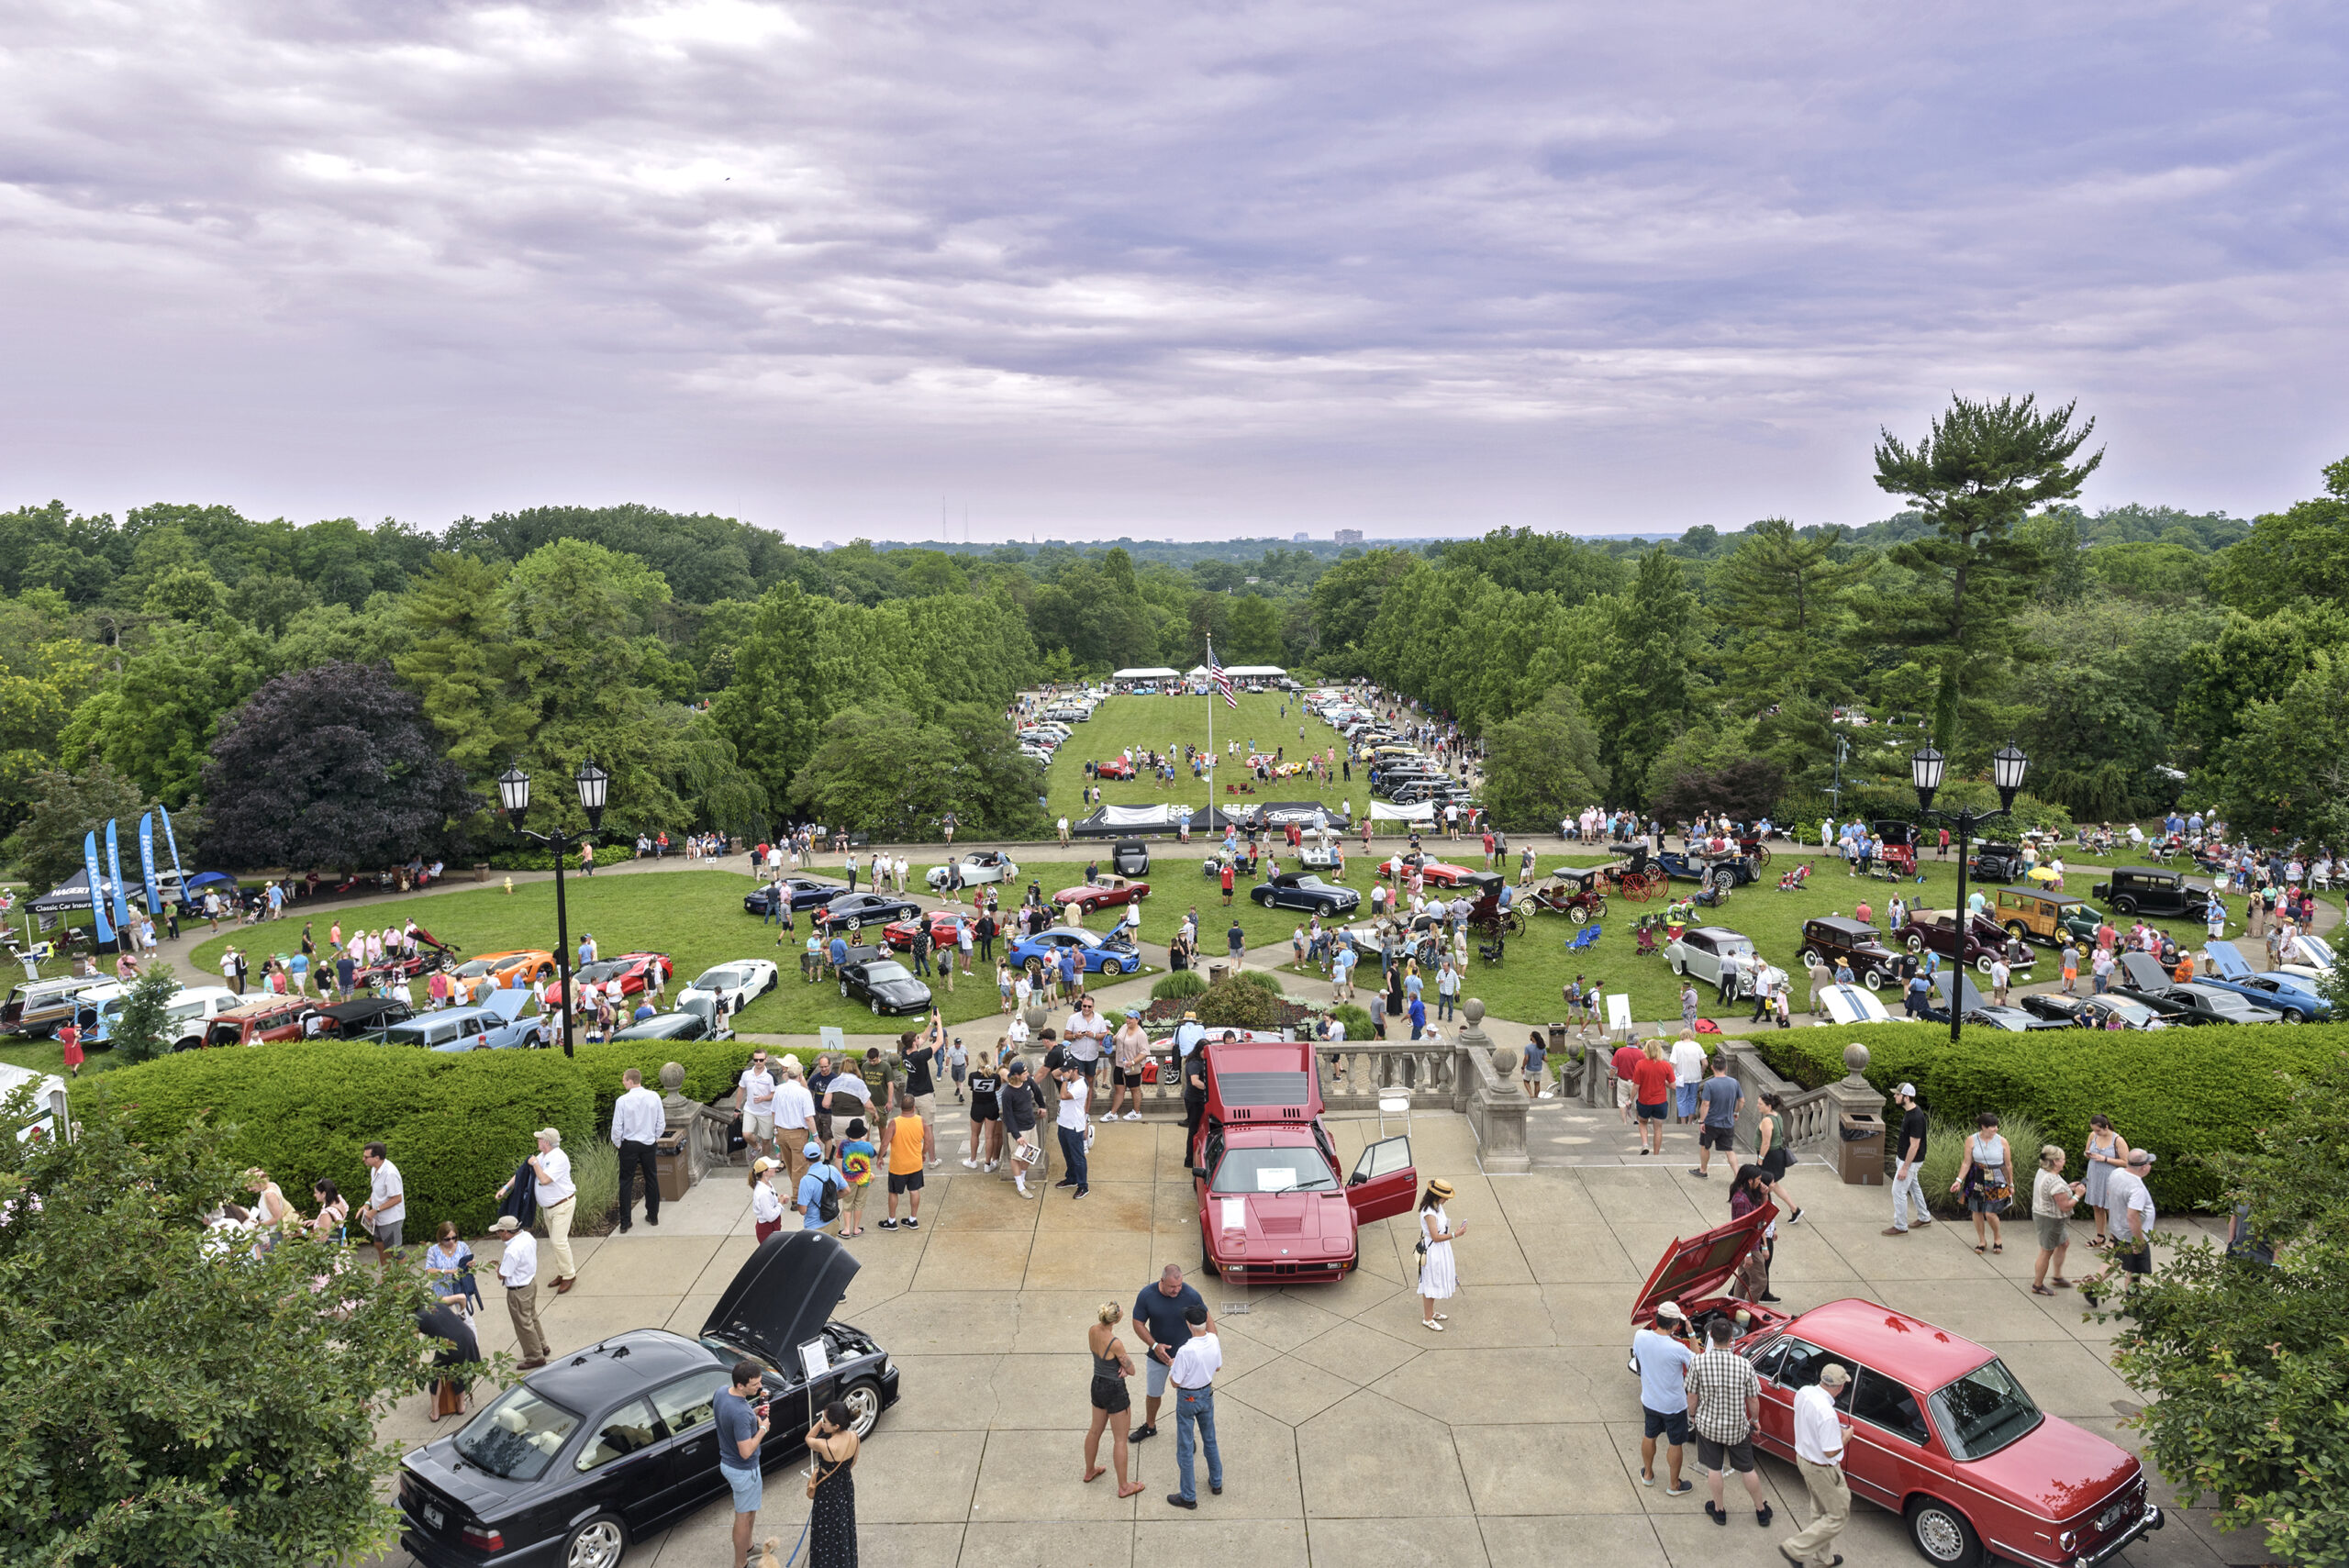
(1226, 876)
(1626, 1058)
(1653, 1080)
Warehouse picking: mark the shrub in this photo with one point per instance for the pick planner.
(1357, 1022)
(1944, 1150)
(2180, 1092)
(595, 1172)
(1264, 979)
(1237, 1003)
(139, 1032)
(1177, 983)
(608, 854)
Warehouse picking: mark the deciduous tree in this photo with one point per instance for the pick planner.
(1544, 765)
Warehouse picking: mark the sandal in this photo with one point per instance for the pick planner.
(2062, 1284)
(1095, 1473)
(1980, 1248)
(1997, 1246)
(2041, 1290)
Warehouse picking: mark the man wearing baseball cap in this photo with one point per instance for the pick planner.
(2131, 1207)
(1820, 1431)
(814, 1183)
(1663, 1359)
(517, 1271)
(1906, 1188)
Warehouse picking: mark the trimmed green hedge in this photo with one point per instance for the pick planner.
(2180, 1092)
(457, 1123)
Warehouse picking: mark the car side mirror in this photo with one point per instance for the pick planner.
(1200, 1172)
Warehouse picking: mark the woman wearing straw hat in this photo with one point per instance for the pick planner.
(1438, 1278)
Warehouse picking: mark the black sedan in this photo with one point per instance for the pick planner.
(852, 911)
(1303, 890)
(617, 1442)
(882, 983)
(2091, 1012)
(806, 893)
(2190, 1002)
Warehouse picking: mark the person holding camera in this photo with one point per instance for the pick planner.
(831, 1523)
(741, 1413)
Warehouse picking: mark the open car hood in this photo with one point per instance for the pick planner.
(1849, 1005)
(783, 1294)
(2227, 960)
(1696, 1269)
(508, 1001)
(1967, 997)
(2145, 971)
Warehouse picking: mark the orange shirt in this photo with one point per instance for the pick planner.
(905, 1146)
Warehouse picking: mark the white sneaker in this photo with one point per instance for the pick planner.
(1109, 1115)
(1133, 1116)
(970, 1165)
(990, 1164)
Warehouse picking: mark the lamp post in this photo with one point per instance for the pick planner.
(1925, 769)
(513, 792)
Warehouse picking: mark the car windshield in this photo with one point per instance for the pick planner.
(474, 969)
(177, 1013)
(603, 971)
(517, 1435)
(1296, 1169)
(2228, 1002)
(876, 972)
(1983, 1411)
(718, 979)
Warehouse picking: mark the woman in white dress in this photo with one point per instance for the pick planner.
(1438, 1277)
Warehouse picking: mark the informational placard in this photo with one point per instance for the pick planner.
(835, 1040)
(1275, 1181)
(814, 1359)
(1235, 1212)
(1618, 1013)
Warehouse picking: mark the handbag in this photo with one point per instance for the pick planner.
(818, 1477)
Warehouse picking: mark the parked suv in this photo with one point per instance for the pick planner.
(2033, 913)
(1830, 939)
(2150, 890)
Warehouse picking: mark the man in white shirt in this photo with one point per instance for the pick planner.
(2002, 976)
(517, 1271)
(1819, 1433)
(1070, 1122)
(386, 1206)
(1192, 1372)
(757, 1104)
(1087, 1030)
(638, 1122)
(795, 1117)
(1688, 1072)
(2131, 1207)
(558, 1201)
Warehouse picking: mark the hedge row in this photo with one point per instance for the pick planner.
(456, 1124)
(2180, 1092)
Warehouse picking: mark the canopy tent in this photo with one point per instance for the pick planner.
(1241, 671)
(1418, 811)
(74, 893)
(1281, 813)
(1123, 821)
(1152, 675)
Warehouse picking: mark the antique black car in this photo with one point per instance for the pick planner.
(882, 983)
(1832, 939)
(1130, 858)
(361, 1019)
(1998, 863)
(2149, 890)
(612, 1444)
(805, 893)
(1303, 890)
(1715, 871)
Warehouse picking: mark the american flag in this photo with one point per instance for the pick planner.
(1222, 682)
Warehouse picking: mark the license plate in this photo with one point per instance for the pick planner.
(434, 1518)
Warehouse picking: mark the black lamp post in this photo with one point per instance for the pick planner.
(514, 791)
(1925, 770)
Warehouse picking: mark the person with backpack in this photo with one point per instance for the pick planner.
(818, 1199)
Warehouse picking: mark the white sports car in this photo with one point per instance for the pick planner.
(742, 981)
(978, 866)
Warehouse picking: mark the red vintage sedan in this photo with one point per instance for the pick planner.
(899, 934)
(1102, 893)
(1943, 1433)
(1436, 873)
(1115, 768)
(1271, 1204)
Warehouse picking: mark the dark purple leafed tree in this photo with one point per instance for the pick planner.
(331, 766)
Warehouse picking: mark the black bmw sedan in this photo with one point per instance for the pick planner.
(882, 983)
(806, 893)
(852, 911)
(608, 1445)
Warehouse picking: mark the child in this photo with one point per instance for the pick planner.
(856, 1170)
(958, 1061)
(2071, 970)
(766, 1205)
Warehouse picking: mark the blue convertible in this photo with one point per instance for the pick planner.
(1095, 953)
(2290, 995)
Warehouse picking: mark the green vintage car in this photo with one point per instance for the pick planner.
(2036, 915)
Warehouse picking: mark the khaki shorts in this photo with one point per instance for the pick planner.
(926, 1107)
(852, 1200)
(1625, 1092)
(760, 1128)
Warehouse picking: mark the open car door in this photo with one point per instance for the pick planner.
(1384, 1183)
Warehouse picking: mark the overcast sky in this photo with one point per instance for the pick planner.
(1197, 269)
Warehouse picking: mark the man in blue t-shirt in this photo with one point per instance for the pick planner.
(1161, 1320)
(1719, 1100)
(1664, 1361)
(809, 1204)
(838, 953)
(741, 1413)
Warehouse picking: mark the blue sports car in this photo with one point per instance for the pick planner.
(1095, 953)
(2291, 995)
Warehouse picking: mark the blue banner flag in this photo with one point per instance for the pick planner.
(114, 866)
(147, 864)
(171, 842)
(97, 887)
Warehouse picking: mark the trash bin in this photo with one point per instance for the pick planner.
(480, 872)
(676, 1170)
(1557, 1040)
(1859, 1152)
(1216, 973)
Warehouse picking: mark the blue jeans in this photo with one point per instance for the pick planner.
(1072, 1155)
(1442, 1005)
(1195, 1404)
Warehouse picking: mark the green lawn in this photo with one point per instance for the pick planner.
(1167, 724)
(1526, 985)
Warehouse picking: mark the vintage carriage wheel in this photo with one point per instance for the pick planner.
(1578, 914)
(1761, 855)
(1514, 923)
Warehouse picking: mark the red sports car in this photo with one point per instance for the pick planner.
(899, 934)
(1271, 1204)
(1115, 768)
(1943, 1433)
(633, 969)
(1102, 893)
(1437, 874)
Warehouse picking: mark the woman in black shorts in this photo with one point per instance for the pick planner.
(1112, 1404)
(1770, 1142)
(986, 1113)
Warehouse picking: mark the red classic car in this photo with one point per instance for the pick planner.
(1102, 893)
(1436, 873)
(1271, 1206)
(1115, 768)
(1985, 939)
(632, 969)
(899, 934)
(1943, 1433)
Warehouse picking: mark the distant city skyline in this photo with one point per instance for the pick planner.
(844, 270)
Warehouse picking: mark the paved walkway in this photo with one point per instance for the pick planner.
(1353, 1438)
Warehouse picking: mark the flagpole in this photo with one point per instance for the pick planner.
(1210, 730)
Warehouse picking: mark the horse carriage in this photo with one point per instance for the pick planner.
(1485, 916)
(1638, 877)
(1578, 894)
